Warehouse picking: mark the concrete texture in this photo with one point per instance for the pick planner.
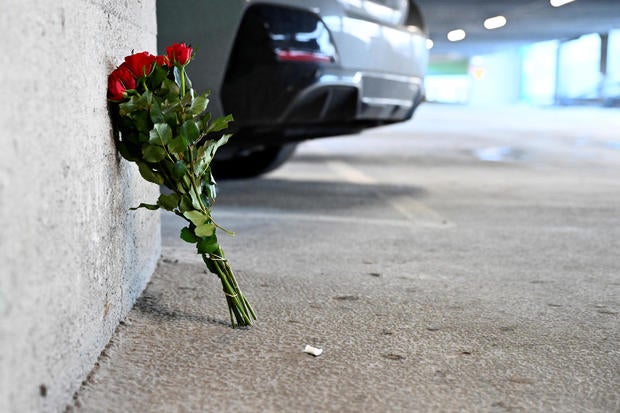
(72, 257)
(464, 262)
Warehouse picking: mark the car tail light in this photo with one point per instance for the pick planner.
(287, 55)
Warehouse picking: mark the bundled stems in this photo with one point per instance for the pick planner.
(241, 312)
(167, 130)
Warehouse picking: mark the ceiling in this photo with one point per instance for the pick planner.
(528, 21)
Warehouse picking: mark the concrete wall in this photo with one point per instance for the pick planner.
(72, 257)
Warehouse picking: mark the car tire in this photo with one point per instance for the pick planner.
(252, 163)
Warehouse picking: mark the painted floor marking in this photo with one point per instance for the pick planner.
(410, 208)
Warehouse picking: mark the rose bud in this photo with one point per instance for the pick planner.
(179, 53)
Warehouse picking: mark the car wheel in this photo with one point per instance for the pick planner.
(254, 162)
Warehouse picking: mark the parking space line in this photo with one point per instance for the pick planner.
(322, 218)
(350, 173)
(408, 207)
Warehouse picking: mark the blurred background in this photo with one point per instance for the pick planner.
(556, 52)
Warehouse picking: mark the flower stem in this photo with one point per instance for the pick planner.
(182, 82)
(241, 313)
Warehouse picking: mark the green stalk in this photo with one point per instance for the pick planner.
(182, 82)
(241, 313)
(234, 296)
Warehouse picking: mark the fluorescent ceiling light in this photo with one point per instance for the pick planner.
(429, 44)
(456, 35)
(495, 22)
(558, 3)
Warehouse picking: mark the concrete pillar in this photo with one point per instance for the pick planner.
(73, 258)
(603, 66)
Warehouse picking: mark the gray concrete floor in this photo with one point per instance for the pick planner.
(465, 261)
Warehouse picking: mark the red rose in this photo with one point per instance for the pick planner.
(140, 64)
(115, 89)
(126, 76)
(179, 53)
(119, 81)
(162, 60)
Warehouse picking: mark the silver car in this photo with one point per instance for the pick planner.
(291, 70)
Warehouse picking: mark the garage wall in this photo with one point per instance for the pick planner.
(496, 78)
(72, 257)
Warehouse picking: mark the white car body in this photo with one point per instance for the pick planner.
(380, 53)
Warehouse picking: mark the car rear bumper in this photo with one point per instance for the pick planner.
(302, 84)
(355, 96)
(333, 102)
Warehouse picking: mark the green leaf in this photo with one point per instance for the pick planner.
(177, 76)
(196, 217)
(205, 230)
(136, 102)
(153, 153)
(170, 104)
(206, 153)
(208, 245)
(125, 151)
(186, 203)
(188, 236)
(143, 137)
(178, 144)
(168, 202)
(189, 92)
(209, 187)
(179, 169)
(157, 77)
(148, 96)
(204, 121)
(220, 123)
(171, 117)
(147, 206)
(188, 82)
(171, 92)
(223, 140)
(199, 105)
(161, 134)
(156, 114)
(203, 158)
(141, 121)
(186, 102)
(206, 201)
(189, 130)
(195, 200)
(150, 175)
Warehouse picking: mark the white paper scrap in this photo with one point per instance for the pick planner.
(313, 350)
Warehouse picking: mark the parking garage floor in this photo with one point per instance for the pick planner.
(465, 261)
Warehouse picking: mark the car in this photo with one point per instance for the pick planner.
(292, 70)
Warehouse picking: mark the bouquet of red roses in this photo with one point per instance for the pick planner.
(166, 130)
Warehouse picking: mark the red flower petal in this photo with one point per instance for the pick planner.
(179, 53)
(140, 64)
